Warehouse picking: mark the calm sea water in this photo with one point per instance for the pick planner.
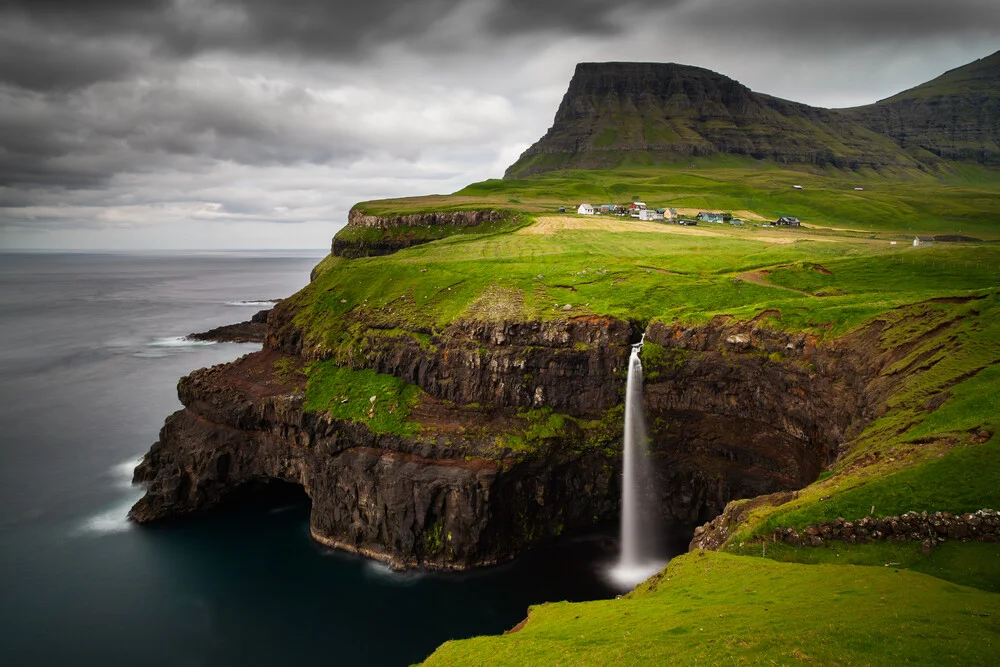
(89, 359)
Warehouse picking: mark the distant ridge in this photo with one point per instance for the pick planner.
(616, 112)
(955, 116)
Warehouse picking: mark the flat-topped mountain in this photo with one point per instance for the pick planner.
(955, 116)
(652, 112)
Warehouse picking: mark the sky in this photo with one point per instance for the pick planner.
(214, 124)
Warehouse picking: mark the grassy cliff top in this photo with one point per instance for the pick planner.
(719, 609)
(959, 198)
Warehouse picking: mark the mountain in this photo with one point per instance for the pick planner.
(648, 112)
(955, 116)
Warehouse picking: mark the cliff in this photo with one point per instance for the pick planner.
(368, 235)
(470, 485)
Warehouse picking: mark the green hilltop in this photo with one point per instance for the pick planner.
(670, 112)
(955, 116)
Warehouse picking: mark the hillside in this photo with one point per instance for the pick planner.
(633, 114)
(614, 111)
(955, 116)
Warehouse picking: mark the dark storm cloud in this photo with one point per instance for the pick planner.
(58, 44)
(312, 28)
(584, 17)
(84, 138)
(846, 23)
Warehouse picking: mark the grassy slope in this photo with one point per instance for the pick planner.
(911, 459)
(717, 608)
(959, 199)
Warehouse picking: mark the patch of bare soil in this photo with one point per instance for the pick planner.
(759, 277)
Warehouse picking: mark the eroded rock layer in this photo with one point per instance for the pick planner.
(736, 410)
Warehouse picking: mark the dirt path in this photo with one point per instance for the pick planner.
(758, 278)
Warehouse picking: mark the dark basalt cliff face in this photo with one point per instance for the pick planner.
(670, 111)
(374, 235)
(727, 421)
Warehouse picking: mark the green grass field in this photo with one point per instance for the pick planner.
(711, 608)
(960, 199)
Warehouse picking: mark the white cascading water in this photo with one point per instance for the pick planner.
(637, 560)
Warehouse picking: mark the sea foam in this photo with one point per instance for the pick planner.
(256, 303)
(180, 341)
(114, 519)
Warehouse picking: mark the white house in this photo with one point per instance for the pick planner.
(923, 240)
(585, 209)
(797, 187)
(650, 214)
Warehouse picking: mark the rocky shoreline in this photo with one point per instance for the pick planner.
(250, 331)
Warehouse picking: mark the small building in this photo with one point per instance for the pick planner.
(585, 209)
(705, 216)
(649, 214)
(788, 221)
(797, 187)
(562, 209)
(859, 189)
(672, 213)
(923, 240)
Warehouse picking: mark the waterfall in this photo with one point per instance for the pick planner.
(638, 559)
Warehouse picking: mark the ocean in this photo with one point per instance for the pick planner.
(91, 348)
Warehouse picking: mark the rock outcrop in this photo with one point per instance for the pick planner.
(251, 331)
(369, 235)
(439, 501)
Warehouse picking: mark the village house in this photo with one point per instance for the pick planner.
(923, 240)
(650, 214)
(585, 209)
(635, 208)
(788, 221)
(705, 216)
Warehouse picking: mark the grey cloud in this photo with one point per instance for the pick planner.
(585, 17)
(843, 24)
(85, 138)
(36, 60)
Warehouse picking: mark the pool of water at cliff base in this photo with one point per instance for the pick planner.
(85, 385)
